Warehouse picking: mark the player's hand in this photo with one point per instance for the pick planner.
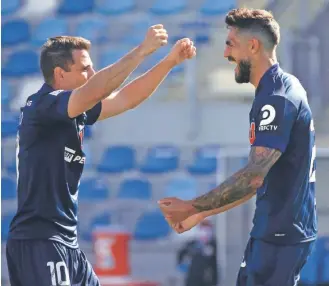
(155, 38)
(184, 49)
(176, 210)
(186, 224)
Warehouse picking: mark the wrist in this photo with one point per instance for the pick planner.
(170, 61)
(140, 51)
(192, 210)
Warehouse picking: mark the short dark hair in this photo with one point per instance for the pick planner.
(57, 52)
(255, 21)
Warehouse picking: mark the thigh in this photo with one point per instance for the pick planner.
(258, 264)
(289, 262)
(83, 272)
(37, 262)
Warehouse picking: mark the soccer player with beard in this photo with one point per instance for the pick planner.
(281, 166)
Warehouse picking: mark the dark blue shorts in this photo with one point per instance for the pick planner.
(266, 264)
(47, 263)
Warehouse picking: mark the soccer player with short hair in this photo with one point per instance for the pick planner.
(42, 248)
(281, 166)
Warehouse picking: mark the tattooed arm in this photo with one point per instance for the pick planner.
(241, 186)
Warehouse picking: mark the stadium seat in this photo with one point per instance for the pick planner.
(217, 7)
(5, 94)
(8, 189)
(117, 159)
(205, 161)
(15, 32)
(110, 7)
(8, 128)
(93, 29)
(323, 260)
(138, 30)
(160, 159)
(86, 149)
(168, 7)
(48, 28)
(73, 7)
(5, 225)
(183, 188)
(309, 273)
(151, 225)
(21, 63)
(10, 7)
(135, 189)
(11, 167)
(93, 190)
(103, 219)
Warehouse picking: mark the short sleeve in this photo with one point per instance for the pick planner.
(93, 113)
(273, 121)
(53, 106)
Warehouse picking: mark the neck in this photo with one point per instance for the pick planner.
(260, 68)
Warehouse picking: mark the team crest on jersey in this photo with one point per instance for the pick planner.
(252, 133)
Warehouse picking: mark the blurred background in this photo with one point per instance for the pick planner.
(184, 140)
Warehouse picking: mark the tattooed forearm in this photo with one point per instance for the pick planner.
(243, 183)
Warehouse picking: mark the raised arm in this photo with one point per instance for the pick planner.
(104, 82)
(237, 189)
(144, 86)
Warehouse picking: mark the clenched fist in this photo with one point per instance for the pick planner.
(155, 38)
(183, 49)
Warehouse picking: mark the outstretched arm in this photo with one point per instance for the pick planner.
(232, 192)
(242, 185)
(135, 92)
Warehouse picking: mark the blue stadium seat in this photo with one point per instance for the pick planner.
(5, 94)
(5, 225)
(309, 273)
(8, 127)
(86, 149)
(73, 7)
(8, 189)
(110, 7)
(135, 189)
(205, 161)
(217, 7)
(160, 159)
(93, 190)
(117, 159)
(93, 29)
(151, 225)
(21, 63)
(168, 7)
(15, 32)
(138, 32)
(103, 219)
(110, 57)
(48, 28)
(323, 260)
(10, 7)
(11, 167)
(183, 188)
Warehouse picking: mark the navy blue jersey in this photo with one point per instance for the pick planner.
(281, 119)
(50, 162)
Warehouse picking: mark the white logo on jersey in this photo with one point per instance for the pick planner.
(56, 92)
(69, 156)
(268, 115)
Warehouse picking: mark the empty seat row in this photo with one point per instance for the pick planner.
(94, 29)
(150, 225)
(93, 189)
(158, 7)
(159, 159)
